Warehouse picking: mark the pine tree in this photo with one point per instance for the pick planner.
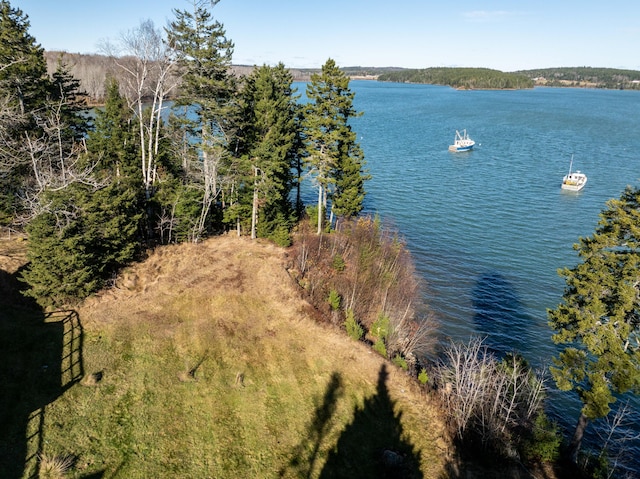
(61, 267)
(23, 90)
(208, 89)
(43, 121)
(69, 102)
(348, 197)
(599, 317)
(88, 230)
(111, 222)
(23, 69)
(334, 157)
(113, 148)
(269, 150)
(80, 241)
(113, 143)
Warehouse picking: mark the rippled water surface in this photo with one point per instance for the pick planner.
(489, 228)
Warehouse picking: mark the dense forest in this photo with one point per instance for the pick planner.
(461, 78)
(610, 78)
(484, 78)
(229, 155)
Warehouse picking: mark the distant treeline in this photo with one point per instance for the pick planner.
(461, 78)
(92, 70)
(610, 78)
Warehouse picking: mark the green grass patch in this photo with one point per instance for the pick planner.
(215, 382)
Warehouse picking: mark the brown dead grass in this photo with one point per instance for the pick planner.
(225, 308)
(227, 277)
(239, 291)
(13, 253)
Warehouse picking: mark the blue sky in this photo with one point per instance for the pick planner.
(506, 35)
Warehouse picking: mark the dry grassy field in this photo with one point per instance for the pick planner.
(204, 361)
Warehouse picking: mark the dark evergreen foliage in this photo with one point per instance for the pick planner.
(461, 78)
(71, 102)
(23, 90)
(86, 232)
(611, 78)
(210, 117)
(599, 317)
(23, 76)
(113, 143)
(333, 156)
(348, 198)
(79, 242)
(268, 154)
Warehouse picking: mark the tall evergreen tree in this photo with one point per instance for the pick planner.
(208, 88)
(43, 121)
(23, 69)
(23, 91)
(348, 198)
(113, 148)
(269, 142)
(599, 317)
(334, 157)
(69, 102)
(87, 230)
(113, 143)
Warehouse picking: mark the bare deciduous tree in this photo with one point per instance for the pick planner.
(148, 64)
(617, 437)
(485, 397)
(54, 161)
(11, 121)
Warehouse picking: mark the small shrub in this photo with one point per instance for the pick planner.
(338, 263)
(281, 236)
(380, 327)
(54, 467)
(312, 214)
(544, 440)
(423, 377)
(596, 466)
(380, 347)
(354, 330)
(400, 362)
(334, 300)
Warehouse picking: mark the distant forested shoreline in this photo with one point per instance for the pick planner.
(462, 78)
(92, 70)
(484, 78)
(585, 77)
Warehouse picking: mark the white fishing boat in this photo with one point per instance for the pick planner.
(574, 180)
(462, 142)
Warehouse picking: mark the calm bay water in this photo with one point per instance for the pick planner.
(488, 229)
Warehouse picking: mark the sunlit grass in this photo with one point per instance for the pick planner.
(207, 367)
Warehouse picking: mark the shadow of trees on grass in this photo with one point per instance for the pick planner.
(40, 358)
(371, 446)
